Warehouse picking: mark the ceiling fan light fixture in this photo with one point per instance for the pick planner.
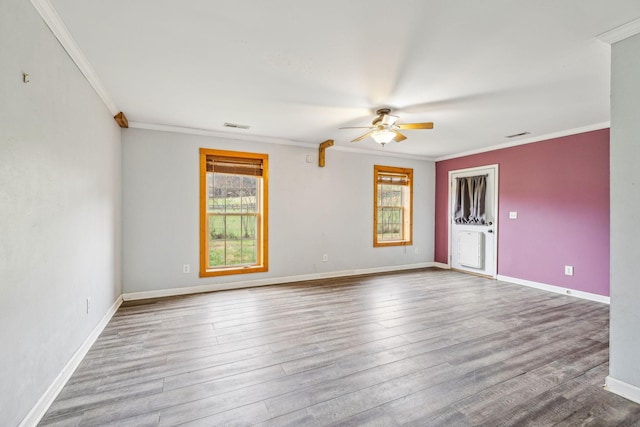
(383, 136)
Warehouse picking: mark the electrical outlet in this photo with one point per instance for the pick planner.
(88, 305)
(568, 270)
(325, 258)
(513, 215)
(186, 268)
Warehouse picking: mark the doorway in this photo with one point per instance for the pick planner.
(473, 245)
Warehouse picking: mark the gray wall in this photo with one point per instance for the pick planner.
(312, 211)
(59, 209)
(625, 211)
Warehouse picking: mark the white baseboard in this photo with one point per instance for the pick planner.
(442, 265)
(623, 389)
(40, 408)
(265, 282)
(556, 289)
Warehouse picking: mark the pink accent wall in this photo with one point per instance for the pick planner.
(560, 189)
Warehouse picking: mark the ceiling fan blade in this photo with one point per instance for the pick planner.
(399, 137)
(357, 127)
(360, 138)
(428, 125)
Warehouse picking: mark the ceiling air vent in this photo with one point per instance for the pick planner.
(515, 135)
(236, 126)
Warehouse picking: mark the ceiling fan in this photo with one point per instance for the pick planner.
(384, 128)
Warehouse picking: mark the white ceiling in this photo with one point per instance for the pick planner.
(298, 70)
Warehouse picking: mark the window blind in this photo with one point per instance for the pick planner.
(389, 179)
(236, 166)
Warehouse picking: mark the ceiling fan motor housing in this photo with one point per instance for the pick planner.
(381, 112)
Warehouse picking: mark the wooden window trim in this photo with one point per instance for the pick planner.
(378, 172)
(263, 229)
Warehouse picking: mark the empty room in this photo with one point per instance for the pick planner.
(294, 213)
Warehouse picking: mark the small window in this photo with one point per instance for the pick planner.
(233, 212)
(393, 206)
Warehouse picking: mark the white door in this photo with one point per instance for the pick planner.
(473, 248)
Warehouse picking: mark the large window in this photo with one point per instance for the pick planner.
(392, 206)
(233, 212)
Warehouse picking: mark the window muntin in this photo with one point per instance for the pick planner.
(233, 212)
(393, 206)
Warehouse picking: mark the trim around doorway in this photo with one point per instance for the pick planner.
(496, 167)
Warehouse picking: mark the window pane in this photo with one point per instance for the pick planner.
(233, 236)
(232, 240)
(210, 192)
(219, 193)
(249, 192)
(217, 233)
(389, 223)
(249, 241)
(390, 204)
(233, 193)
(390, 195)
(233, 255)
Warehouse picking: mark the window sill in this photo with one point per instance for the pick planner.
(393, 243)
(233, 270)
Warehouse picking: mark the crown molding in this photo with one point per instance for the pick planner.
(267, 139)
(60, 30)
(218, 134)
(383, 153)
(568, 132)
(620, 33)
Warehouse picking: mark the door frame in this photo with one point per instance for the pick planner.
(496, 175)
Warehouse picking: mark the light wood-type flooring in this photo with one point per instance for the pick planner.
(419, 348)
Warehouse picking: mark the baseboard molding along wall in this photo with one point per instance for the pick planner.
(442, 265)
(556, 289)
(42, 405)
(623, 389)
(265, 282)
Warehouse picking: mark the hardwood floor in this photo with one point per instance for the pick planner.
(418, 348)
